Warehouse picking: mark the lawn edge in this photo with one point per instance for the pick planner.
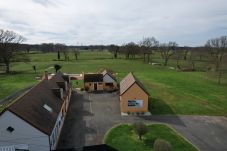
(179, 134)
(167, 125)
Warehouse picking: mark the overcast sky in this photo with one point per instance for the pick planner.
(188, 22)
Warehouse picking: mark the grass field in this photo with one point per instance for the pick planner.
(171, 92)
(123, 138)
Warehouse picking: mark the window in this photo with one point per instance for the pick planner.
(100, 83)
(47, 107)
(109, 84)
(135, 103)
(10, 129)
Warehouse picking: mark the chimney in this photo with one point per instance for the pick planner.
(61, 85)
(66, 86)
(58, 92)
(45, 75)
(61, 93)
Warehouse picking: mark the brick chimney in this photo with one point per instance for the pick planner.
(58, 92)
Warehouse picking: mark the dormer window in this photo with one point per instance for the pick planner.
(10, 129)
(48, 108)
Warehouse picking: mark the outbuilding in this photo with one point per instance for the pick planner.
(133, 95)
(93, 82)
(102, 81)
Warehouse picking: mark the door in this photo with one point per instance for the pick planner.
(95, 86)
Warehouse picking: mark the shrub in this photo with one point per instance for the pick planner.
(57, 67)
(162, 145)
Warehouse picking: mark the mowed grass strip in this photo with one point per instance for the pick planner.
(171, 92)
(123, 138)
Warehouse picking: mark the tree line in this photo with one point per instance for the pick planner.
(214, 51)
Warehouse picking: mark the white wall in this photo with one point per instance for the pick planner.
(23, 133)
(107, 79)
(56, 131)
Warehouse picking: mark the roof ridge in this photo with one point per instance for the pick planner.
(125, 86)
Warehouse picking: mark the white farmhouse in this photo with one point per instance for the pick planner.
(34, 121)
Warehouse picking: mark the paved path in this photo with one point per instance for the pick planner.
(91, 115)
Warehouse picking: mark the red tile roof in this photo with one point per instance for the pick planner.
(128, 81)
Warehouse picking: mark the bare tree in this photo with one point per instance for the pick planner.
(147, 45)
(47, 47)
(9, 42)
(218, 49)
(192, 59)
(114, 49)
(75, 51)
(130, 50)
(178, 55)
(167, 50)
(61, 48)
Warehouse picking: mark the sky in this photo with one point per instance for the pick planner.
(89, 22)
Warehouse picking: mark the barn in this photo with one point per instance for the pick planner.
(133, 95)
(34, 121)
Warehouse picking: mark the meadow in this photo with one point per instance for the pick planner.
(171, 91)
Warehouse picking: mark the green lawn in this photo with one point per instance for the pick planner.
(123, 138)
(171, 92)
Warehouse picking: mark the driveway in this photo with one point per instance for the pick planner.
(91, 115)
(88, 119)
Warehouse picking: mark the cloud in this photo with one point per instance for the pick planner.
(120, 21)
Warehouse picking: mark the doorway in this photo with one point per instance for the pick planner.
(95, 86)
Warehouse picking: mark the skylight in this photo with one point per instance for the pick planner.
(47, 107)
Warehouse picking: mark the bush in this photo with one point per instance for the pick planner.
(57, 67)
(162, 145)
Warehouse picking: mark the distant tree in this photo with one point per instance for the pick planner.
(28, 48)
(114, 49)
(34, 68)
(61, 48)
(178, 54)
(192, 59)
(47, 47)
(66, 54)
(140, 129)
(57, 67)
(218, 49)
(148, 45)
(9, 42)
(130, 50)
(76, 53)
(186, 51)
(162, 145)
(167, 50)
(59, 56)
